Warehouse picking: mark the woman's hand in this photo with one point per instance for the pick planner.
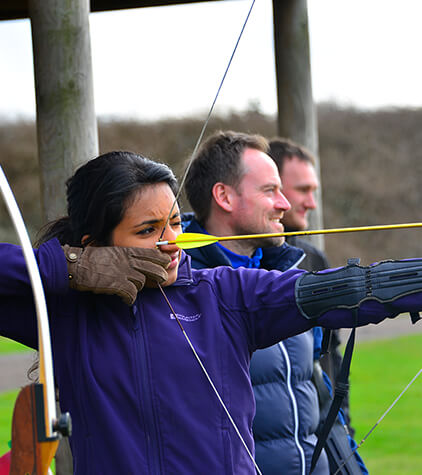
(113, 270)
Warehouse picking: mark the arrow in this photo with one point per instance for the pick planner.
(193, 240)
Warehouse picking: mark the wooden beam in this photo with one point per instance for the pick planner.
(18, 9)
(102, 5)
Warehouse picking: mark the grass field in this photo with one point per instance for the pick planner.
(10, 346)
(7, 402)
(7, 399)
(380, 370)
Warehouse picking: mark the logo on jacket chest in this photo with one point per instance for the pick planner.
(186, 318)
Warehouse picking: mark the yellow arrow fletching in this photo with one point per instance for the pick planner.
(192, 240)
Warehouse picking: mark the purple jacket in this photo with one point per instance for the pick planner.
(138, 398)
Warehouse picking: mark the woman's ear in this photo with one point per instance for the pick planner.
(223, 196)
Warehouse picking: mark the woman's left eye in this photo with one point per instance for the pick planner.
(152, 229)
(145, 231)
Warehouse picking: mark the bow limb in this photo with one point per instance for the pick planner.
(39, 397)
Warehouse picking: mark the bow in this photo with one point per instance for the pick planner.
(35, 429)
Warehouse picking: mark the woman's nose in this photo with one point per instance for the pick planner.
(169, 234)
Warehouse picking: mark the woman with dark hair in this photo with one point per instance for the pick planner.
(139, 400)
(98, 194)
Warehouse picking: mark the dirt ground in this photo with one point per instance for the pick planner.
(13, 369)
(389, 328)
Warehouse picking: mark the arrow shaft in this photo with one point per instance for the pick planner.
(324, 231)
(206, 237)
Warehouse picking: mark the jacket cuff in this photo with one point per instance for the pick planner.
(53, 267)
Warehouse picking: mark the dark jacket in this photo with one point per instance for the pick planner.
(316, 260)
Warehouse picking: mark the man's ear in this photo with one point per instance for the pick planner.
(223, 196)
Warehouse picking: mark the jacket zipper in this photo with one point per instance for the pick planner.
(149, 415)
(294, 404)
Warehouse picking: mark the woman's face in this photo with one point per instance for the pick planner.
(144, 220)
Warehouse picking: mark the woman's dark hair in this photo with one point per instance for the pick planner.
(99, 193)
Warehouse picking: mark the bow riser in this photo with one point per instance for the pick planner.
(28, 429)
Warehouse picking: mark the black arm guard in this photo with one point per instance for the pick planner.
(317, 293)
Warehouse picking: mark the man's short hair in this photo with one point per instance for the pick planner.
(282, 149)
(218, 160)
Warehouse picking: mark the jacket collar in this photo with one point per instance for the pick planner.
(184, 272)
(282, 258)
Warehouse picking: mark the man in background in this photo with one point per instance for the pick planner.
(296, 166)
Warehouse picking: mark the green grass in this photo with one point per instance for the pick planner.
(7, 402)
(7, 399)
(10, 346)
(380, 371)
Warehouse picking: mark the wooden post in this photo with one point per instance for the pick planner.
(297, 118)
(66, 121)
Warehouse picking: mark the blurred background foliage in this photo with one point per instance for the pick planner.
(371, 164)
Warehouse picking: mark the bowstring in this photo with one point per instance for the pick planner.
(182, 182)
(204, 127)
(210, 380)
(379, 421)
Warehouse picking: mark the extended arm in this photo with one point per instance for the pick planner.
(387, 282)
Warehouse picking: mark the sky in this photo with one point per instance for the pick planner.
(160, 62)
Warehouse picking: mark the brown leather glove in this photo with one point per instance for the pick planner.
(120, 271)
